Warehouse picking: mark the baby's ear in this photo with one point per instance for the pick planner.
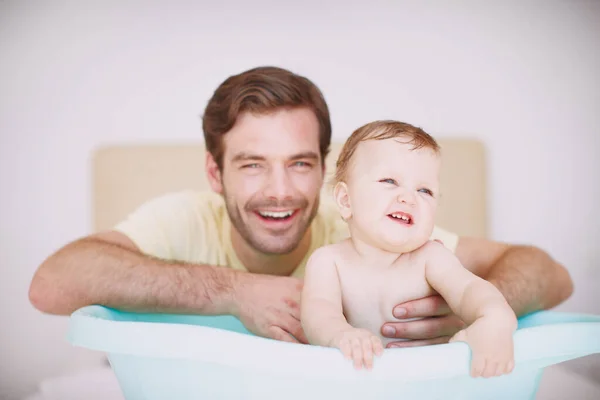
(342, 199)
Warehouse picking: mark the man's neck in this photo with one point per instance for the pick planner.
(273, 264)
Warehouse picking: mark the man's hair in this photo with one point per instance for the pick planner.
(260, 91)
(380, 130)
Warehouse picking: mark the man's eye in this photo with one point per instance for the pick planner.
(426, 191)
(388, 180)
(301, 164)
(249, 166)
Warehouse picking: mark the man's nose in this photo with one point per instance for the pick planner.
(279, 185)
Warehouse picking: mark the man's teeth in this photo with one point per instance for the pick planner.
(402, 217)
(275, 214)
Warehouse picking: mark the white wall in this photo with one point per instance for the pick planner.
(522, 77)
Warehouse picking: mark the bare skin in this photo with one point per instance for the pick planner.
(64, 283)
(389, 199)
(527, 277)
(346, 299)
(116, 274)
(271, 163)
(107, 269)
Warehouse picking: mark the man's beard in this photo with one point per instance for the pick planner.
(265, 242)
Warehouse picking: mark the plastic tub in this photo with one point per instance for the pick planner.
(166, 356)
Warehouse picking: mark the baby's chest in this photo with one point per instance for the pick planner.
(369, 290)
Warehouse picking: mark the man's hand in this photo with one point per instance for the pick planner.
(436, 323)
(269, 306)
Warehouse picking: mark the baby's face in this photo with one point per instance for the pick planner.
(393, 193)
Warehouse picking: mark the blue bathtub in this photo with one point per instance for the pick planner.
(181, 357)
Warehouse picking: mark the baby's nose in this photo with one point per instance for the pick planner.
(407, 197)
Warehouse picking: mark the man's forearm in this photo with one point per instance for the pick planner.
(530, 280)
(92, 271)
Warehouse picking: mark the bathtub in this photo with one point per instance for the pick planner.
(181, 357)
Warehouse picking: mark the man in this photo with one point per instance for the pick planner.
(241, 249)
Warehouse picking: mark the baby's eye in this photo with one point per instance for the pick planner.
(426, 191)
(388, 180)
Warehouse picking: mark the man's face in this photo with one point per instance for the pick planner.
(272, 176)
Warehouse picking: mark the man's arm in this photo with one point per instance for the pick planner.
(107, 269)
(527, 276)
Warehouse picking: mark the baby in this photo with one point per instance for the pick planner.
(387, 190)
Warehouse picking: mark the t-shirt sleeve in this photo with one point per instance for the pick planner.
(160, 225)
(449, 239)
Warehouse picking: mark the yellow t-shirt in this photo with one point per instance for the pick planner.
(194, 227)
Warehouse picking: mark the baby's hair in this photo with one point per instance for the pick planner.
(380, 130)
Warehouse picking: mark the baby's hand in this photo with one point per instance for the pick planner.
(491, 345)
(358, 345)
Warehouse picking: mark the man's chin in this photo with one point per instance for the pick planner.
(275, 246)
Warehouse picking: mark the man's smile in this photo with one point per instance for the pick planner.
(277, 219)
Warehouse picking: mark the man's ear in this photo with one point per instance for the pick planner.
(213, 173)
(342, 199)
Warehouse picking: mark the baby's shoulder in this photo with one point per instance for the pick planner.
(432, 249)
(334, 253)
(328, 253)
(323, 260)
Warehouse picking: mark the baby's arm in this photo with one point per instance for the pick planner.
(322, 313)
(490, 320)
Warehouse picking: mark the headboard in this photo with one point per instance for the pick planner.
(124, 176)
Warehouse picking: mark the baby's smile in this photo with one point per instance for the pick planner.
(401, 217)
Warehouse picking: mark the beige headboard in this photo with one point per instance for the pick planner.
(124, 176)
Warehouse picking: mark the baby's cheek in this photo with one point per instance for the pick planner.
(428, 216)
